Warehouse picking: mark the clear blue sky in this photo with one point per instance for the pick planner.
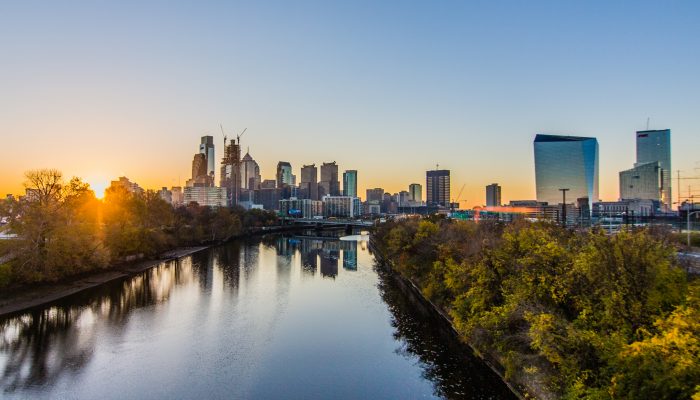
(100, 89)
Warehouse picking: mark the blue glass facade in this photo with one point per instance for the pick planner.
(655, 146)
(566, 162)
(350, 183)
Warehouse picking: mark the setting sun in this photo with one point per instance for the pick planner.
(98, 184)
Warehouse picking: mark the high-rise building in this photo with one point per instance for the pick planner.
(166, 195)
(206, 147)
(205, 196)
(402, 199)
(301, 208)
(177, 196)
(125, 183)
(284, 174)
(269, 198)
(309, 182)
(250, 173)
(341, 206)
(268, 184)
(643, 182)
(199, 165)
(329, 184)
(200, 176)
(438, 187)
(655, 146)
(493, 195)
(230, 171)
(566, 162)
(415, 194)
(350, 183)
(376, 194)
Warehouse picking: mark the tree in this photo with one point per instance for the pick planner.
(57, 228)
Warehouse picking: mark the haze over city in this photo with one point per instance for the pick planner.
(103, 90)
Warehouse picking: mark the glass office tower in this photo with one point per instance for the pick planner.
(641, 182)
(284, 174)
(206, 147)
(655, 146)
(566, 162)
(350, 183)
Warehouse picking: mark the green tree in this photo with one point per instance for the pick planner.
(666, 364)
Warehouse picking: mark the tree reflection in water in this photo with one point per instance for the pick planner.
(41, 346)
(46, 348)
(451, 366)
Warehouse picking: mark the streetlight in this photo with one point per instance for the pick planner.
(563, 206)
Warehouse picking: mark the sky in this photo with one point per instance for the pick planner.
(103, 89)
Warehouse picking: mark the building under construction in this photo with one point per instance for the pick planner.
(230, 171)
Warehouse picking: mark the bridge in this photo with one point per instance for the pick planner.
(328, 223)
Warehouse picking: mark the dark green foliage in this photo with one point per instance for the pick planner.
(597, 316)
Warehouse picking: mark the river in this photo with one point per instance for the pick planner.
(281, 317)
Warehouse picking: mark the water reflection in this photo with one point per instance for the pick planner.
(444, 360)
(39, 347)
(240, 292)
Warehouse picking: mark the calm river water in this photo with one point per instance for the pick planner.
(291, 317)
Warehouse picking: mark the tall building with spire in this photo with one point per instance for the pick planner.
(250, 173)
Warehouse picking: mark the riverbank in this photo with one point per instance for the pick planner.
(27, 297)
(22, 299)
(519, 390)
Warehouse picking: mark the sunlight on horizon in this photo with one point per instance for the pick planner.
(98, 185)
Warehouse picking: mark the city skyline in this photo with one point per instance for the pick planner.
(102, 94)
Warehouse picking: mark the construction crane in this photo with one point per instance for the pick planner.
(224, 134)
(238, 137)
(459, 196)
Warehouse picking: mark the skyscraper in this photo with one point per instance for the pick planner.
(566, 162)
(206, 147)
(643, 182)
(493, 195)
(200, 178)
(438, 187)
(250, 173)
(376, 194)
(329, 184)
(655, 146)
(309, 182)
(350, 183)
(230, 172)
(284, 174)
(415, 194)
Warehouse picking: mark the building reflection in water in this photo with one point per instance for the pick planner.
(39, 347)
(312, 247)
(349, 255)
